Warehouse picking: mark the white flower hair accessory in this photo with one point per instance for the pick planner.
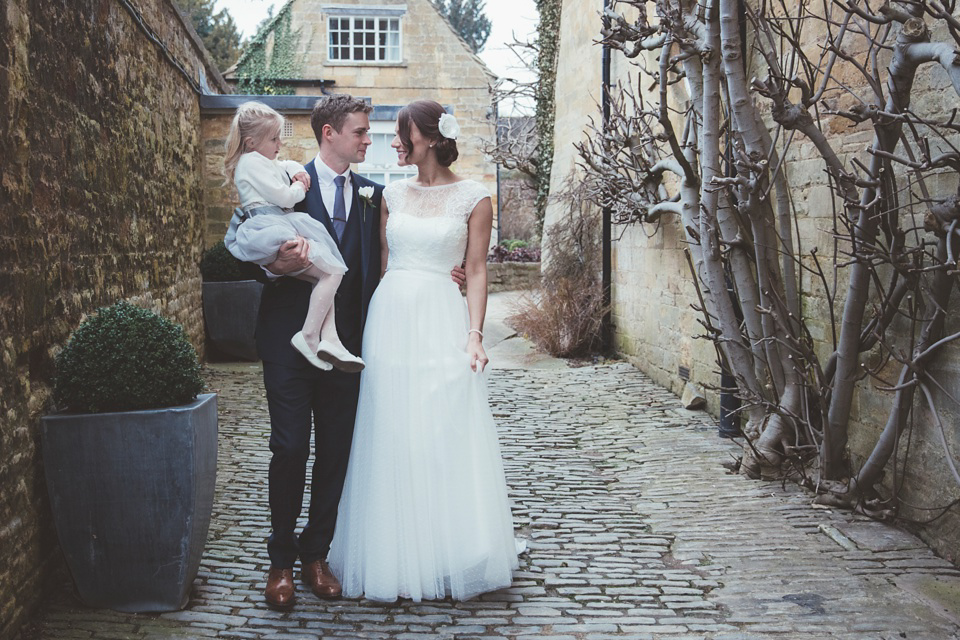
(449, 127)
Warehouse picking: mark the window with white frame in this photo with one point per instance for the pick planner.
(380, 163)
(364, 38)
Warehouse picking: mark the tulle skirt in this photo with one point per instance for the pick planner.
(260, 236)
(424, 512)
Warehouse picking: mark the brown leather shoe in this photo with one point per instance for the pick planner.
(280, 588)
(320, 579)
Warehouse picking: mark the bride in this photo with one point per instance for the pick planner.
(424, 512)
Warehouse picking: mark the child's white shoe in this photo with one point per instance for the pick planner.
(338, 356)
(300, 344)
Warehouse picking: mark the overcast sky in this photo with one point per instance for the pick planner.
(507, 17)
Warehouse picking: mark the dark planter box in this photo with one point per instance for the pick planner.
(230, 313)
(131, 494)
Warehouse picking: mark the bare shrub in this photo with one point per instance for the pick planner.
(564, 316)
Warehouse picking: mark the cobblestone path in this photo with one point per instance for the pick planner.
(635, 530)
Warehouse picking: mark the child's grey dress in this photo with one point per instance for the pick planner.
(266, 219)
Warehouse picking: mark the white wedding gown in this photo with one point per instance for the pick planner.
(424, 512)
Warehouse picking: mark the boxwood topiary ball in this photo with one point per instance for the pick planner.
(126, 358)
(219, 265)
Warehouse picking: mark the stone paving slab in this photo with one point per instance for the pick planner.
(635, 530)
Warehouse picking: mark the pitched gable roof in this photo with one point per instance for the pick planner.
(259, 39)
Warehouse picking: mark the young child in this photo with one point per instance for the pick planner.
(266, 221)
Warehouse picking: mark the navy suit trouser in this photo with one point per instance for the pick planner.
(301, 400)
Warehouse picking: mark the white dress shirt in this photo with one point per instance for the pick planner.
(328, 189)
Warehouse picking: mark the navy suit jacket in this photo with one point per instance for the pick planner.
(283, 305)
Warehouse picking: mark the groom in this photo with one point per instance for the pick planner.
(300, 397)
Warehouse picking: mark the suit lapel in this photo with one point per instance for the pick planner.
(359, 208)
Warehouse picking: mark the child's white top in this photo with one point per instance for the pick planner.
(260, 179)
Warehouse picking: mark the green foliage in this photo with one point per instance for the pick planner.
(217, 30)
(510, 245)
(548, 41)
(469, 20)
(126, 358)
(260, 74)
(219, 265)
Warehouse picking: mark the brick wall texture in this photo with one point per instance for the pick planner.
(101, 199)
(653, 291)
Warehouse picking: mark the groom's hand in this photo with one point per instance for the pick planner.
(293, 256)
(459, 275)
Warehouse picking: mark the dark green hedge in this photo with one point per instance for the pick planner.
(219, 265)
(126, 358)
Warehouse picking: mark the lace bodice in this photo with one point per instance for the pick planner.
(427, 226)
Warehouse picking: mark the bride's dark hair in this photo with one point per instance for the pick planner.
(426, 115)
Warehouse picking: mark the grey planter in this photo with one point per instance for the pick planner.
(131, 494)
(230, 313)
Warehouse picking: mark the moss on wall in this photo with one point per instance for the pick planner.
(101, 199)
(548, 40)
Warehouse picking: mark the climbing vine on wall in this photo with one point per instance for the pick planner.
(548, 41)
(263, 69)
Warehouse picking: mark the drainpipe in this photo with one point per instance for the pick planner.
(496, 138)
(607, 321)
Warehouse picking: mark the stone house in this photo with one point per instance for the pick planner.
(655, 324)
(387, 51)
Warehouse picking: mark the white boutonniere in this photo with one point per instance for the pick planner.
(366, 194)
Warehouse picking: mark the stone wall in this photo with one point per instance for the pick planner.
(512, 276)
(656, 327)
(101, 199)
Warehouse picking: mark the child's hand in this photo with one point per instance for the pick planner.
(303, 178)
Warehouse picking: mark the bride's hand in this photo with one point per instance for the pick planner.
(478, 357)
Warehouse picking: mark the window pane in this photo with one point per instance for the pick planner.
(358, 53)
(370, 24)
(371, 53)
(370, 38)
(393, 40)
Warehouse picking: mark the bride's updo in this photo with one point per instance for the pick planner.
(426, 115)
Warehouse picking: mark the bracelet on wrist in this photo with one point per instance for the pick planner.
(476, 331)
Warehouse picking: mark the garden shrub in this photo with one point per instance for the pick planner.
(219, 265)
(564, 317)
(126, 358)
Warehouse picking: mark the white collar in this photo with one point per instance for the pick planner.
(325, 174)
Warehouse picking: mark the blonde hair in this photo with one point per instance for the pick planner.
(253, 121)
